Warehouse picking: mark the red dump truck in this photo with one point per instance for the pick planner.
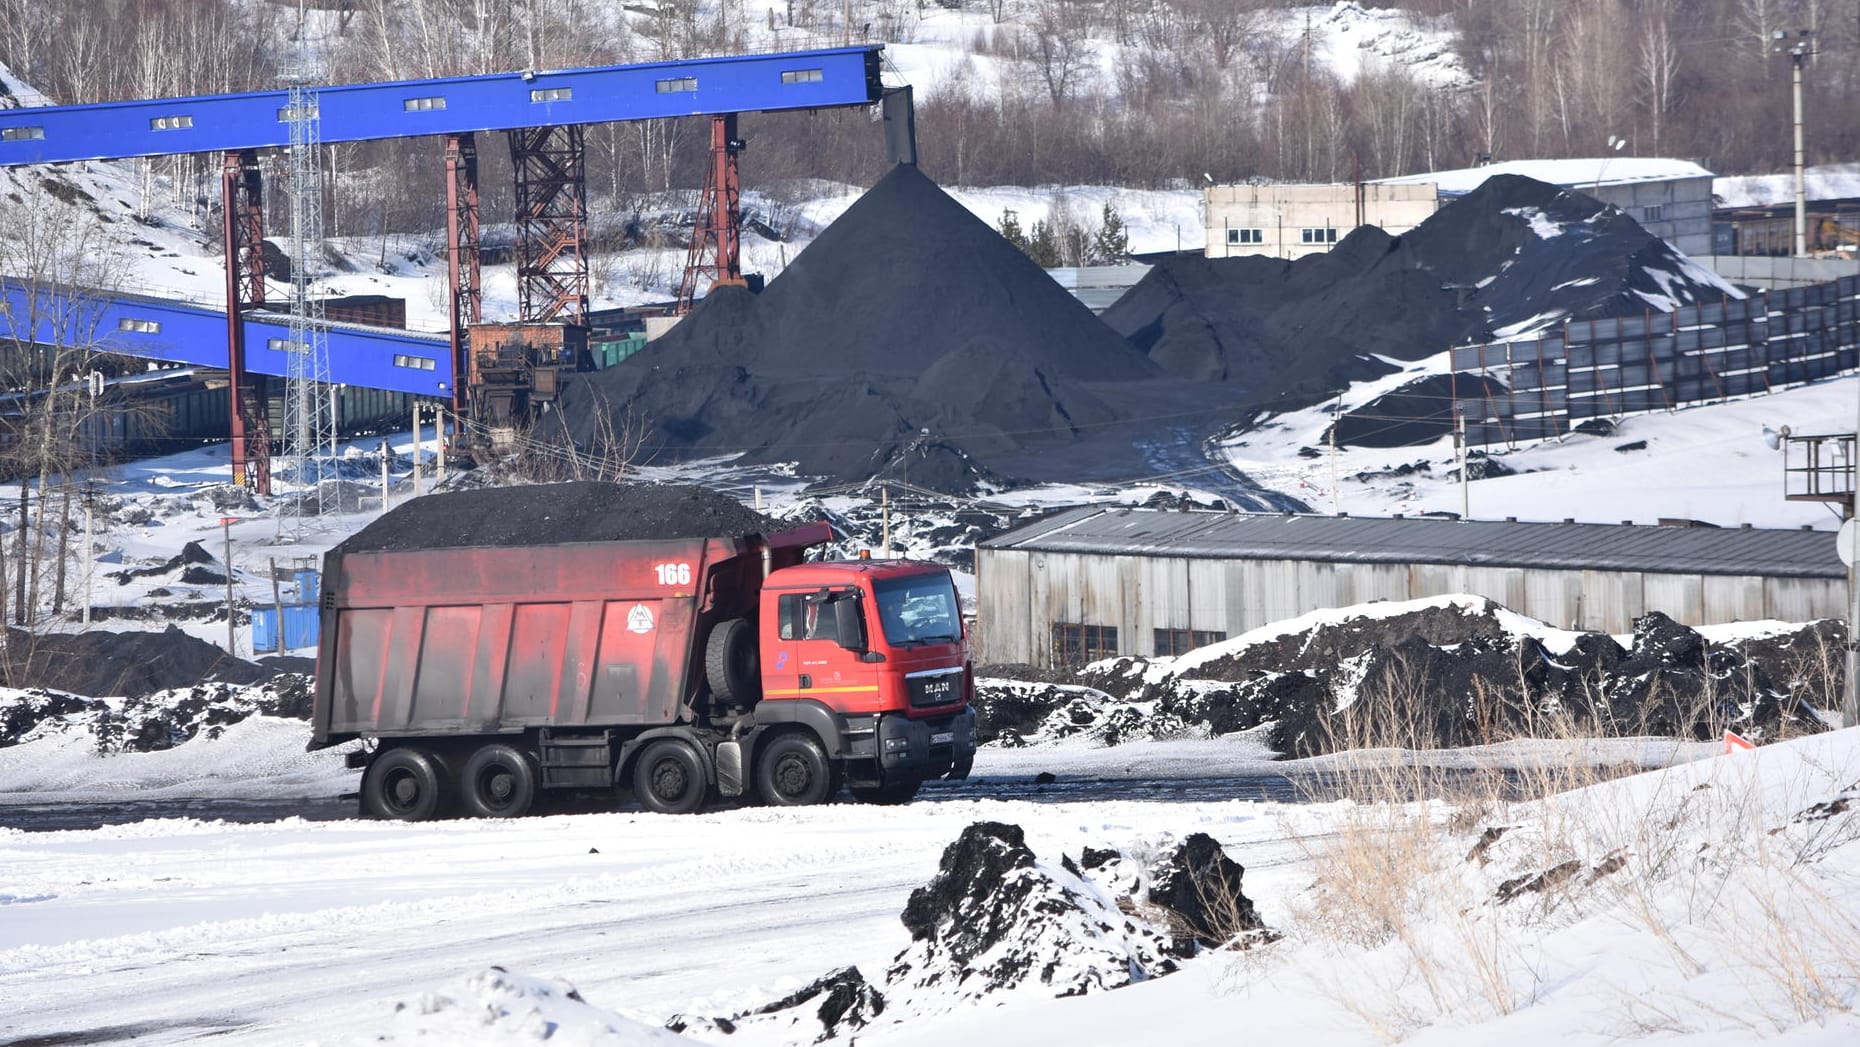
(488, 646)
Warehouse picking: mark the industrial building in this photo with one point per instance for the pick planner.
(1096, 582)
(1291, 221)
(1672, 199)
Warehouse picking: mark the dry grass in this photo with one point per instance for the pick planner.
(1430, 900)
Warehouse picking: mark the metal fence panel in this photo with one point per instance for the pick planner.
(1657, 362)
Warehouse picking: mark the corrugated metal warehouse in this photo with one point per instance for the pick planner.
(1095, 582)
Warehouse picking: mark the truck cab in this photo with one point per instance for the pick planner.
(875, 647)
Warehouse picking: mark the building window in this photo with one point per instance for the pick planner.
(1246, 236)
(286, 345)
(552, 94)
(290, 113)
(138, 326)
(1182, 641)
(1653, 214)
(1326, 235)
(170, 123)
(21, 134)
(800, 76)
(683, 83)
(421, 105)
(1076, 644)
(416, 363)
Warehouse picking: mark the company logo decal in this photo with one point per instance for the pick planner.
(639, 619)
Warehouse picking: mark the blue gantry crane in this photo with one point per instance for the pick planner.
(543, 114)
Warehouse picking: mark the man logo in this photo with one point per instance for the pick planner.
(639, 619)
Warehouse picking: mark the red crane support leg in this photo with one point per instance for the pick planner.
(716, 237)
(462, 270)
(243, 229)
(552, 224)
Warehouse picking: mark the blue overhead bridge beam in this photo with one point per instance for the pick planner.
(841, 76)
(157, 329)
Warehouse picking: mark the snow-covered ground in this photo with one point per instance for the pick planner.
(1709, 463)
(1735, 920)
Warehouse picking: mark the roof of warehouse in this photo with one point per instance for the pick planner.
(1479, 543)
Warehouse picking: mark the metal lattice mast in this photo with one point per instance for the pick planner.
(309, 422)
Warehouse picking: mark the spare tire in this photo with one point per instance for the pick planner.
(731, 665)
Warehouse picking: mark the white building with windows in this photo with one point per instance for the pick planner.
(1671, 199)
(1291, 221)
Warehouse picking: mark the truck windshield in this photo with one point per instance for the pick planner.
(920, 608)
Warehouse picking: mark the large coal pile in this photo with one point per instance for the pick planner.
(909, 340)
(122, 664)
(1514, 254)
(579, 511)
(1441, 675)
(996, 919)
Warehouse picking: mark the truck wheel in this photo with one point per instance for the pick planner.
(499, 781)
(793, 771)
(731, 665)
(669, 778)
(407, 785)
(893, 793)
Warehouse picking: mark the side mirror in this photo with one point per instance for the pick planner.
(849, 622)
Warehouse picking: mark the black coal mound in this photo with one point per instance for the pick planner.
(1200, 888)
(1442, 676)
(1513, 254)
(908, 340)
(995, 919)
(187, 565)
(837, 1002)
(581, 511)
(127, 664)
(155, 721)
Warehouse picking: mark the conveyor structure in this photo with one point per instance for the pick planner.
(542, 112)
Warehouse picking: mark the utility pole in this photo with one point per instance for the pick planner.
(1335, 506)
(90, 557)
(226, 523)
(1459, 437)
(1799, 50)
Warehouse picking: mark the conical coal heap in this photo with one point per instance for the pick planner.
(863, 357)
(1512, 255)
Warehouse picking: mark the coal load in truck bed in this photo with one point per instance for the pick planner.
(580, 511)
(909, 329)
(1513, 255)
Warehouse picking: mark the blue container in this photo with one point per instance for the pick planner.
(300, 628)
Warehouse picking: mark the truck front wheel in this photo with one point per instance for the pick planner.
(669, 778)
(793, 771)
(499, 781)
(407, 785)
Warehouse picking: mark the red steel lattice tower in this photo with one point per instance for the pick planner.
(243, 236)
(462, 265)
(716, 238)
(552, 224)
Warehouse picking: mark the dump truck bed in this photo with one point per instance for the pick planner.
(487, 640)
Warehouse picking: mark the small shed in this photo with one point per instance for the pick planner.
(1095, 582)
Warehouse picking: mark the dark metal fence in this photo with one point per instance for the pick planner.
(1540, 387)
